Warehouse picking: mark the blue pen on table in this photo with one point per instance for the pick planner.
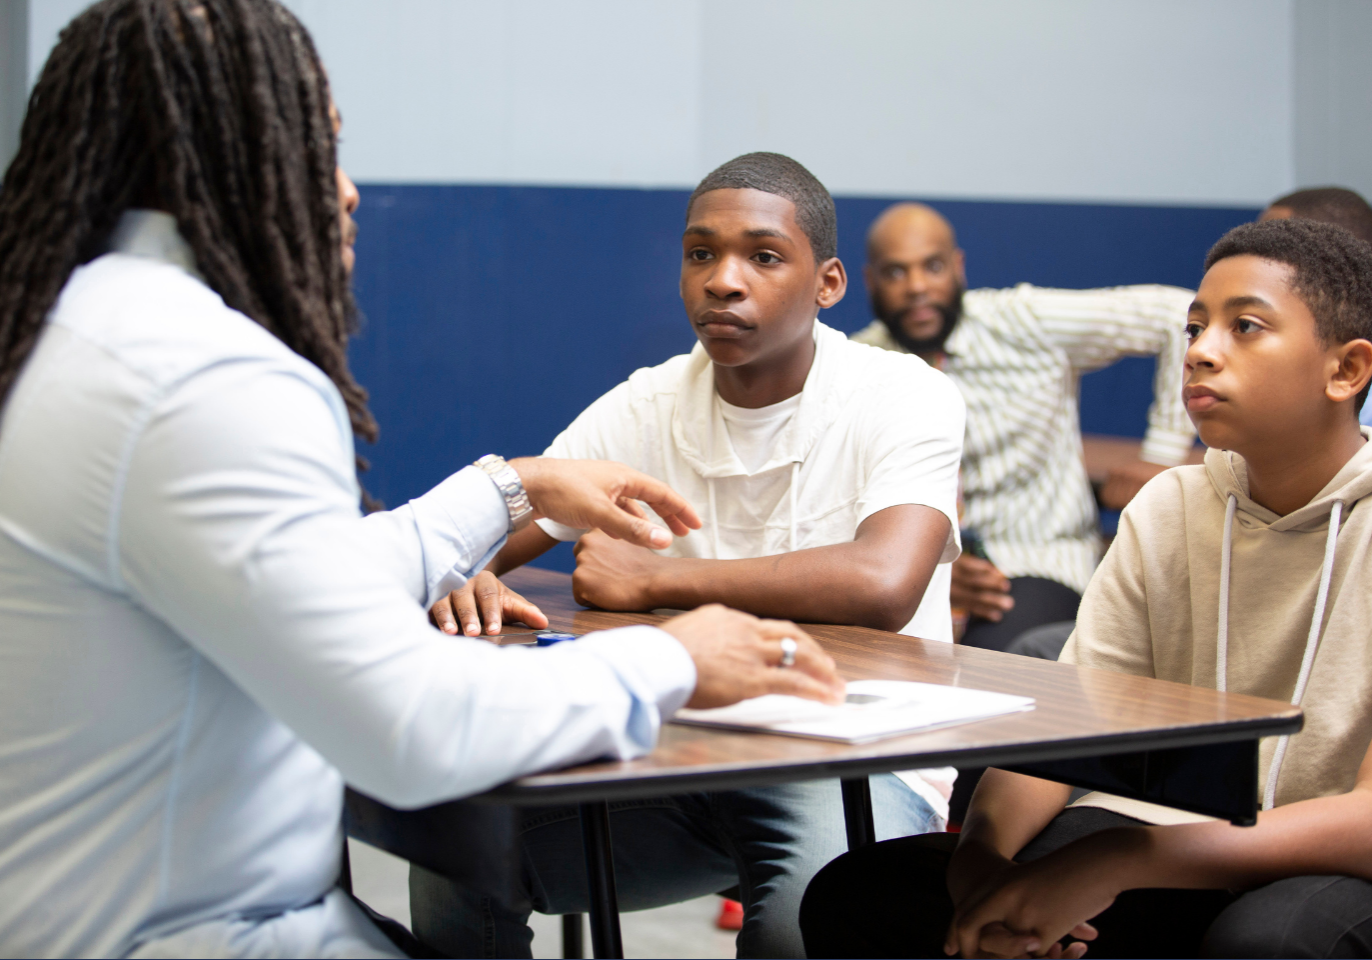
(548, 639)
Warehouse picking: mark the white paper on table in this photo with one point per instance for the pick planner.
(875, 709)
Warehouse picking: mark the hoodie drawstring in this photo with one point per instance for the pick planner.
(1312, 642)
(714, 514)
(1222, 642)
(1269, 798)
(795, 479)
(714, 519)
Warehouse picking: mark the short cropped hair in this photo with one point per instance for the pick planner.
(1332, 271)
(784, 177)
(1335, 205)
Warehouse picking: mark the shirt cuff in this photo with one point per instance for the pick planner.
(559, 531)
(653, 666)
(1166, 447)
(461, 524)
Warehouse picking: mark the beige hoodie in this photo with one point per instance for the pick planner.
(1299, 602)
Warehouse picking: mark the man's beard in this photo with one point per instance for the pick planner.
(951, 313)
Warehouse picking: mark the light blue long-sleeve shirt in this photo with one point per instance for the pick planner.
(201, 640)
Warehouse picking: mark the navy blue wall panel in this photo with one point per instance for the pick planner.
(493, 314)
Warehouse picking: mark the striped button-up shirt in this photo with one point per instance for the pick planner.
(1017, 356)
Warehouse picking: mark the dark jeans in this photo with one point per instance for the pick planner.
(891, 900)
(1037, 602)
(770, 841)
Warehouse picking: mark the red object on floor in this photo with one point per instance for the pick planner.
(730, 915)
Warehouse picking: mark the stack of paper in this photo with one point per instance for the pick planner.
(874, 710)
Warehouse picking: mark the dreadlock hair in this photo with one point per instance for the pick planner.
(1335, 205)
(216, 111)
(784, 177)
(1331, 272)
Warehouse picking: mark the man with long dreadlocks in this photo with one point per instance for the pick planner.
(201, 637)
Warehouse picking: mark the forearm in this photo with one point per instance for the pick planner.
(1324, 836)
(1098, 327)
(435, 542)
(1007, 811)
(858, 588)
(526, 545)
(1170, 433)
(1010, 809)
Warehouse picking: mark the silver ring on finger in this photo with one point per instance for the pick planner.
(789, 647)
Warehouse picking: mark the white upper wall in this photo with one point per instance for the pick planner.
(1139, 101)
(602, 92)
(1333, 93)
(1157, 101)
(1160, 101)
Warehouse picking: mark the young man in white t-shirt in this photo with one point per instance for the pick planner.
(826, 475)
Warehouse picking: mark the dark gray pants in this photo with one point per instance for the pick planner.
(890, 900)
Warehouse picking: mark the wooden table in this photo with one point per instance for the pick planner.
(1169, 743)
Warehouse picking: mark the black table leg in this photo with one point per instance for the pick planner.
(572, 947)
(600, 872)
(857, 812)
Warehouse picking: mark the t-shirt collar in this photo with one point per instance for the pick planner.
(698, 427)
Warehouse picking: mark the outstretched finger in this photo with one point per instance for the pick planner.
(441, 615)
(632, 506)
(665, 502)
(673, 522)
(613, 520)
(517, 608)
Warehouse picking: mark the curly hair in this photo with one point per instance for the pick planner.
(1337, 205)
(216, 111)
(1331, 271)
(784, 177)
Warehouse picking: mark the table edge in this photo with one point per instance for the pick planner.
(521, 792)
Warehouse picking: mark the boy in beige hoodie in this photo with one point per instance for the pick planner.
(1248, 574)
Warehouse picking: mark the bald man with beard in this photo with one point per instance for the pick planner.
(1017, 355)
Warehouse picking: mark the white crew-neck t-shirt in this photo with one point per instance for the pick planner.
(754, 432)
(871, 429)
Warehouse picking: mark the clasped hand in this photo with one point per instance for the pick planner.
(1008, 909)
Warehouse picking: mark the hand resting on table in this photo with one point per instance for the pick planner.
(736, 654)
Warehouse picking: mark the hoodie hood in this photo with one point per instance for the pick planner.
(1228, 473)
(698, 428)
